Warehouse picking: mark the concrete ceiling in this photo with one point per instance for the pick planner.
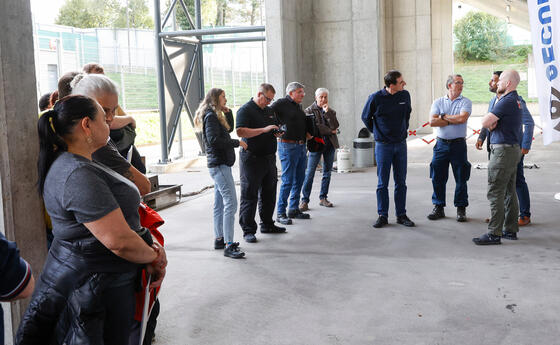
(516, 10)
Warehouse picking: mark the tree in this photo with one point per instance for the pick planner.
(480, 36)
(138, 16)
(88, 13)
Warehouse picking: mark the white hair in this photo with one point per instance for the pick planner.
(321, 91)
(293, 86)
(92, 85)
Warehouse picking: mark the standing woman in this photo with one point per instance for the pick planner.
(327, 126)
(210, 119)
(85, 294)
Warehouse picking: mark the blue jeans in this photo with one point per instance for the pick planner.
(293, 159)
(312, 160)
(225, 202)
(387, 155)
(522, 191)
(456, 154)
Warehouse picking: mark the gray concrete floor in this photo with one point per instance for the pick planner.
(336, 280)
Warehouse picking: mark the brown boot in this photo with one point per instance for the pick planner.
(325, 202)
(303, 206)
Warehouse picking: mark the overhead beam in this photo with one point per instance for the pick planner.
(213, 31)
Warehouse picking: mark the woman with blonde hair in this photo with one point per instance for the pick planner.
(210, 119)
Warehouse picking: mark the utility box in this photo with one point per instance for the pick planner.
(363, 152)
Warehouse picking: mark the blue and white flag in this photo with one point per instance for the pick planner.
(545, 32)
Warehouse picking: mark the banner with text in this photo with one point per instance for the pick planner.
(545, 33)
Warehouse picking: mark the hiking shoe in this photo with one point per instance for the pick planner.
(232, 251)
(283, 219)
(298, 214)
(250, 238)
(487, 239)
(380, 222)
(437, 213)
(219, 243)
(272, 229)
(404, 220)
(461, 214)
(510, 235)
(524, 220)
(304, 206)
(325, 202)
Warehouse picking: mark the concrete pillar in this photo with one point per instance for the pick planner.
(22, 209)
(326, 43)
(442, 45)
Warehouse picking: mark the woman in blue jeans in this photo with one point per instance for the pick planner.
(326, 125)
(220, 156)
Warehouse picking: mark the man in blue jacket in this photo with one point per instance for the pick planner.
(387, 115)
(521, 188)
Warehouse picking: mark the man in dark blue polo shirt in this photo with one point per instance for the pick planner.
(504, 121)
(387, 114)
(256, 123)
(16, 280)
(292, 152)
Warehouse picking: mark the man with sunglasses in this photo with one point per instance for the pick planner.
(256, 124)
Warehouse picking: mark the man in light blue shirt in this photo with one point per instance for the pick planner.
(449, 115)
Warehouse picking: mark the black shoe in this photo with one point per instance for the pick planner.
(405, 221)
(250, 238)
(380, 222)
(283, 219)
(232, 251)
(272, 229)
(461, 214)
(510, 235)
(219, 243)
(298, 214)
(487, 239)
(437, 213)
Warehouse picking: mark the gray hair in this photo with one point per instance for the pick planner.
(321, 91)
(293, 86)
(93, 85)
(450, 79)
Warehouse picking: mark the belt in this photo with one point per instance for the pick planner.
(300, 142)
(503, 145)
(456, 140)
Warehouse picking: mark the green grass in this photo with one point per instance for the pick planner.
(477, 76)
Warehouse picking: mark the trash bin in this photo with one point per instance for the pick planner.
(363, 152)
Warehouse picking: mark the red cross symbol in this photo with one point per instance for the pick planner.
(412, 132)
(476, 131)
(427, 142)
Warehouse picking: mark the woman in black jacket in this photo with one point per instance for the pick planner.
(85, 294)
(210, 119)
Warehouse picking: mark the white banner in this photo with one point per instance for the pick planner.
(545, 31)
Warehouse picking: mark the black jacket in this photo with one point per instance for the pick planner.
(219, 144)
(66, 307)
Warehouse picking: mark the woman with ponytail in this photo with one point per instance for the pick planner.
(85, 294)
(210, 119)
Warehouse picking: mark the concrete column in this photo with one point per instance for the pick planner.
(22, 208)
(442, 45)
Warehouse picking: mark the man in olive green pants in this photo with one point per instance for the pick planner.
(505, 123)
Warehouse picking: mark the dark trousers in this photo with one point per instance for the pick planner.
(119, 304)
(387, 156)
(258, 186)
(454, 153)
(522, 191)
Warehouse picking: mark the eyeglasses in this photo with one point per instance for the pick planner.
(268, 99)
(458, 82)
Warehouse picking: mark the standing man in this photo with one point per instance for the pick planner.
(327, 125)
(256, 124)
(292, 152)
(521, 187)
(387, 114)
(505, 123)
(449, 116)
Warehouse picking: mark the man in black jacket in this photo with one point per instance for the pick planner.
(257, 125)
(292, 152)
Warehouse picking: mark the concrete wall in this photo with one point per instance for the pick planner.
(347, 46)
